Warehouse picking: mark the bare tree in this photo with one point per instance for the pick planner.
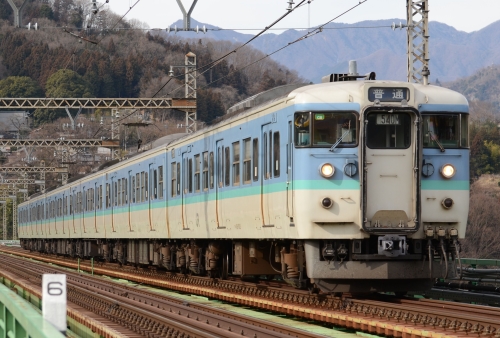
(482, 239)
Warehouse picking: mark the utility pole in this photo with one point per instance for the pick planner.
(190, 88)
(418, 41)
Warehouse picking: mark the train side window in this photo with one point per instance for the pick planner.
(220, 167)
(255, 159)
(132, 189)
(138, 188)
(118, 193)
(154, 185)
(205, 171)
(126, 190)
(108, 197)
(160, 182)
(70, 205)
(143, 187)
(227, 166)
(236, 163)
(173, 184)
(247, 161)
(269, 169)
(115, 194)
(178, 178)
(197, 173)
(276, 148)
(211, 169)
(146, 187)
(264, 146)
(190, 175)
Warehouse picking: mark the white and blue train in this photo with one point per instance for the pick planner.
(343, 186)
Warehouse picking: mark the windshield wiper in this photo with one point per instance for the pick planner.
(434, 138)
(341, 137)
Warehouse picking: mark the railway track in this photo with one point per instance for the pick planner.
(389, 316)
(147, 314)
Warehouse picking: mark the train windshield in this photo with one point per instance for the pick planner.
(388, 130)
(445, 131)
(324, 129)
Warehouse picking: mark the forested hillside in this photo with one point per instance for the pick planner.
(115, 58)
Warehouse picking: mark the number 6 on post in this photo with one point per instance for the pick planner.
(54, 300)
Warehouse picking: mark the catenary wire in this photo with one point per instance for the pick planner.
(314, 31)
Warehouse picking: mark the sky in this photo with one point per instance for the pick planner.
(464, 15)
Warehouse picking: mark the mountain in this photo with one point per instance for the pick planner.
(453, 53)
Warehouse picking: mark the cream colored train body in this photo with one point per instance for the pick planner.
(341, 186)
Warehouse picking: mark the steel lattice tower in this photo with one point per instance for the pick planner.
(418, 41)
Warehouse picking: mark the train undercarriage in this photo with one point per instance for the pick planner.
(379, 263)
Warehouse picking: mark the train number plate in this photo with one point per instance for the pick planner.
(388, 119)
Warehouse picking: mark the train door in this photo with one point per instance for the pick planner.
(219, 182)
(391, 157)
(266, 177)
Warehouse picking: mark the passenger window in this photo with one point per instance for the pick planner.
(190, 175)
(160, 182)
(173, 184)
(178, 178)
(146, 187)
(264, 171)
(197, 173)
(227, 167)
(211, 169)
(276, 148)
(132, 190)
(236, 163)
(247, 161)
(205, 171)
(255, 159)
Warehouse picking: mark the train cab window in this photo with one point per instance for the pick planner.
(211, 170)
(255, 159)
(205, 171)
(197, 173)
(173, 182)
(445, 131)
(236, 163)
(247, 161)
(388, 130)
(276, 154)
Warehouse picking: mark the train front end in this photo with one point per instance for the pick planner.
(381, 184)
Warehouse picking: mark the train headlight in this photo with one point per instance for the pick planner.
(327, 170)
(447, 203)
(448, 171)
